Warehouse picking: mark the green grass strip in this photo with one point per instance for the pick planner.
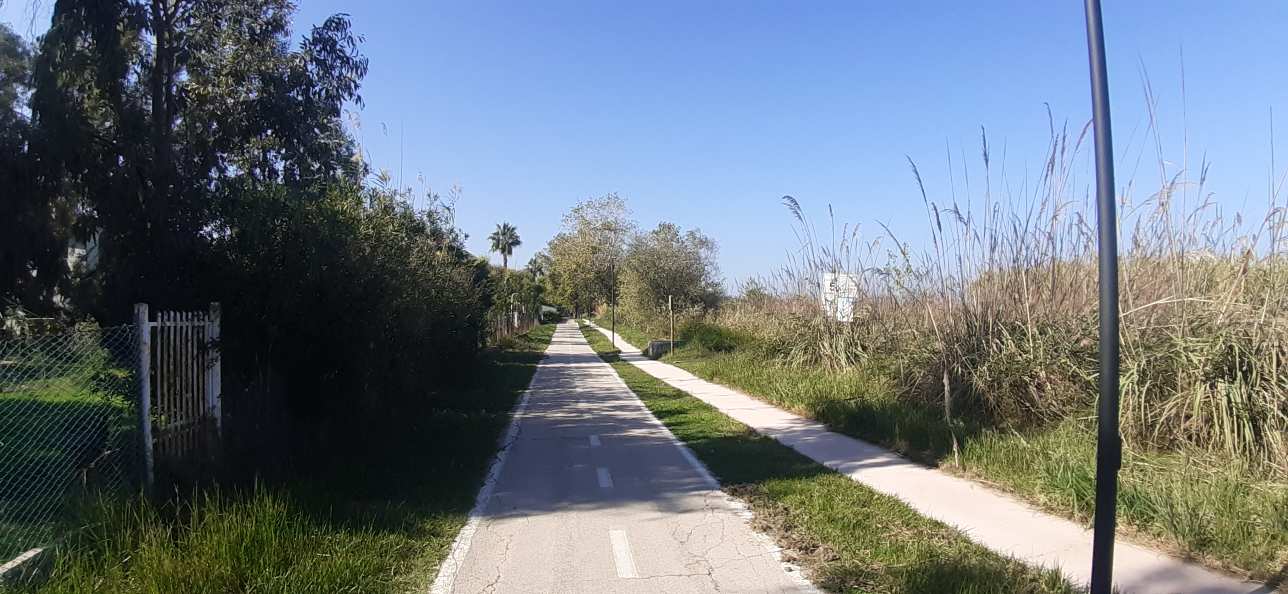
(848, 537)
(1204, 507)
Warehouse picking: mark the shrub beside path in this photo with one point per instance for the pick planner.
(988, 517)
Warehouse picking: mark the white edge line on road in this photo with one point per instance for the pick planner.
(622, 556)
(732, 503)
(446, 576)
(594, 441)
(605, 479)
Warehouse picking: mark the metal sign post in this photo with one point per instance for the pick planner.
(671, 312)
(839, 292)
(612, 268)
(1108, 440)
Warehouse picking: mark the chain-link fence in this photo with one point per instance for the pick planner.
(68, 427)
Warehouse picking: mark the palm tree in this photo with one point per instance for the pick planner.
(504, 240)
(539, 265)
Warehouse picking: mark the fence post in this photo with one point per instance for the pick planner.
(144, 342)
(214, 374)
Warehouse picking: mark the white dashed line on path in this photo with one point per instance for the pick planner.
(622, 554)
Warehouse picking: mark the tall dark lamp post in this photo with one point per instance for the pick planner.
(1108, 440)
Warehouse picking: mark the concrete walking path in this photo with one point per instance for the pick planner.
(590, 493)
(988, 517)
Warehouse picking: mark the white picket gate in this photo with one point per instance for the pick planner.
(180, 369)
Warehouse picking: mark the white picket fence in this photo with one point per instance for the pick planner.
(180, 387)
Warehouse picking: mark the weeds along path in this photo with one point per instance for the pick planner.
(591, 493)
(985, 516)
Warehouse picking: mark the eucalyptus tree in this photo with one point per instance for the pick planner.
(33, 226)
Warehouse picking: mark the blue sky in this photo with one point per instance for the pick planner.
(707, 113)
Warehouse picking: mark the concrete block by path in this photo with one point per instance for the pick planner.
(988, 517)
(657, 348)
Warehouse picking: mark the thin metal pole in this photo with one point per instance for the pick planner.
(1108, 440)
(671, 312)
(216, 371)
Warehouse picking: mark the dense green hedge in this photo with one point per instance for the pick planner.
(337, 303)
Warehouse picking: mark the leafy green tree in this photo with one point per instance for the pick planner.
(515, 292)
(153, 112)
(504, 240)
(207, 159)
(539, 265)
(587, 254)
(668, 261)
(15, 72)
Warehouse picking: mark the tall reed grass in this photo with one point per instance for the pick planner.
(996, 318)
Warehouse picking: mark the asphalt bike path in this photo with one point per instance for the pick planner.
(591, 493)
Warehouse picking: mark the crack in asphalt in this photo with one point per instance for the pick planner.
(490, 587)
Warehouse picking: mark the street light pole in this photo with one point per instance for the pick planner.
(1108, 440)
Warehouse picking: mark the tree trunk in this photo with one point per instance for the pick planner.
(162, 83)
(159, 207)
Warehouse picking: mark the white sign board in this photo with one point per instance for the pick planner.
(840, 293)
